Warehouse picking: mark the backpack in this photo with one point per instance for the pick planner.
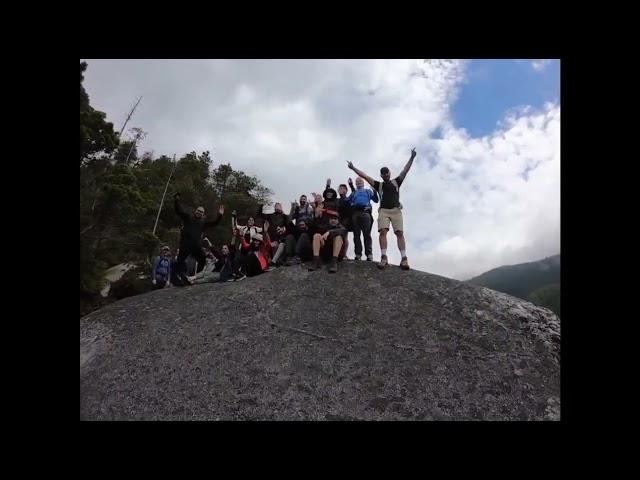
(395, 184)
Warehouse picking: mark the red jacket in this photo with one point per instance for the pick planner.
(263, 253)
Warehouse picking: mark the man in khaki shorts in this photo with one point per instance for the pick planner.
(390, 211)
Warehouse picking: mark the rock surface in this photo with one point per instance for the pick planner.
(361, 344)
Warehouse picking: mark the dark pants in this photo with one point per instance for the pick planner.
(250, 265)
(227, 270)
(196, 252)
(362, 225)
(301, 248)
(326, 251)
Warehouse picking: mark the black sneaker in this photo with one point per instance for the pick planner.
(369, 258)
(239, 277)
(357, 259)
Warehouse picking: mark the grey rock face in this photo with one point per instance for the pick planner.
(361, 344)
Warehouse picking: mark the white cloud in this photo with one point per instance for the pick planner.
(471, 204)
(540, 64)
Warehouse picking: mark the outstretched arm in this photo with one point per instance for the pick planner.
(178, 208)
(213, 223)
(406, 168)
(361, 173)
(234, 223)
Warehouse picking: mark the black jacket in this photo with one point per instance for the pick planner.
(221, 259)
(275, 220)
(192, 227)
(332, 203)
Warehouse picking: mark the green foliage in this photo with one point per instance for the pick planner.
(538, 281)
(520, 280)
(547, 296)
(96, 134)
(119, 201)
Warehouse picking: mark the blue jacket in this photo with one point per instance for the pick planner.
(362, 198)
(161, 269)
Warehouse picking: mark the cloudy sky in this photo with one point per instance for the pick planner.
(484, 190)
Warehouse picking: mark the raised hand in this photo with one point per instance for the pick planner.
(221, 210)
(413, 152)
(329, 181)
(350, 165)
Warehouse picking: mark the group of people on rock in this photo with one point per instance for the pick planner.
(313, 232)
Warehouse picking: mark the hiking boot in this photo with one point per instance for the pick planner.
(333, 266)
(404, 264)
(383, 262)
(316, 265)
(357, 259)
(369, 258)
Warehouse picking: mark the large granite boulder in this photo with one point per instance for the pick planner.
(362, 344)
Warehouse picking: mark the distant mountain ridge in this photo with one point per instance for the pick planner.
(537, 281)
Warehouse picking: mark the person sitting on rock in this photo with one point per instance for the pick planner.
(161, 270)
(225, 267)
(328, 246)
(257, 261)
(361, 217)
(277, 229)
(245, 230)
(298, 244)
(329, 202)
(190, 235)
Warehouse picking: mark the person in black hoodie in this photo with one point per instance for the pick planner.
(190, 235)
(329, 245)
(330, 197)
